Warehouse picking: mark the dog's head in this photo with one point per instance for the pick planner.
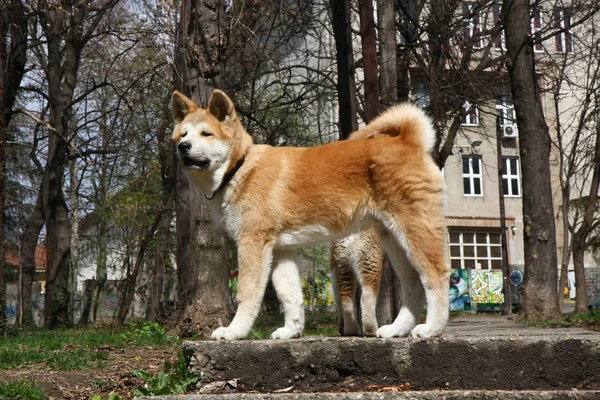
(208, 140)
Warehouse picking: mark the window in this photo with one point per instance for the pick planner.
(421, 95)
(562, 22)
(472, 177)
(475, 250)
(472, 31)
(500, 42)
(511, 181)
(407, 14)
(536, 28)
(506, 115)
(470, 114)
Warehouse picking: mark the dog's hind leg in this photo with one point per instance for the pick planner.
(343, 279)
(286, 281)
(370, 260)
(413, 296)
(421, 238)
(255, 267)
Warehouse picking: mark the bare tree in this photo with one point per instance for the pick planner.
(340, 16)
(540, 295)
(202, 248)
(13, 44)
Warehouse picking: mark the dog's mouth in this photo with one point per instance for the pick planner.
(193, 163)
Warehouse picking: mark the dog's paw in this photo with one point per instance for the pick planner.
(286, 333)
(228, 333)
(388, 331)
(424, 331)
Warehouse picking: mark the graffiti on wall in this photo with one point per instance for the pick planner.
(459, 290)
(486, 286)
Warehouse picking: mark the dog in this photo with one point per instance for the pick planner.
(273, 200)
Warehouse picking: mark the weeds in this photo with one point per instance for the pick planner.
(173, 380)
(21, 390)
(70, 349)
(588, 320)
(147, 333)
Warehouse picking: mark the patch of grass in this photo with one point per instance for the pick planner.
(21, 390)
(79, 348)
(587, 320)
(148, 334)
(173, 380)
(318, 323)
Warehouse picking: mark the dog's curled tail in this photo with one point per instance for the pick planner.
(405, 120)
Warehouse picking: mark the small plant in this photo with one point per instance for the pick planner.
(147, 333)
(173, 380)
(21, 390)
(111, 396)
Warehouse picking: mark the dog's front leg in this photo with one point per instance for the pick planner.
(255, 265)
(286, 281)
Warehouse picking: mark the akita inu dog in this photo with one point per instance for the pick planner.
(272, 200)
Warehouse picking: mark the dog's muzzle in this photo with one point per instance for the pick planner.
(187, 160)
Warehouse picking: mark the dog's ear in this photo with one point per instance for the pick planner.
(221, 106)
(181, 106)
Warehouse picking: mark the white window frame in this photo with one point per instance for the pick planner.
(471, 118)
(509, 175)
(472, 176)
(474, 28)
(537, 22)
(565, 37)
(475, 258)
(502, 37)
(506, 113)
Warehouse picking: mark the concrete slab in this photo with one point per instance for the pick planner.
(410, 395)
(475, 353)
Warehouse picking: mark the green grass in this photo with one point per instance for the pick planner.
(21, 390)
(319, 323)
(588, 320)
(80, 348)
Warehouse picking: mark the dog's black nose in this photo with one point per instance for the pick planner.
(184, 147)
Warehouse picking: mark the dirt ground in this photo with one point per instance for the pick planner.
(114, 377)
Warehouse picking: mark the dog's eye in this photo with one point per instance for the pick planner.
(206, 134)
(184, 134)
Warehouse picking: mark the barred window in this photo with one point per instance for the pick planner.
(472, 176)
(475, 250)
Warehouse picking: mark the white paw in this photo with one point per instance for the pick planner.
(286, 333)
(228, 333)
(388, 331)
(424, 331)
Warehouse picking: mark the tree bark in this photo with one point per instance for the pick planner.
(346, 86)
(389, 299)
(581, 235)
(168, 165)
(13, 56)
(541, 276)
(203, 272)
(128, 292)
(369, 53)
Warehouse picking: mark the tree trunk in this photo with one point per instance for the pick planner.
(128, 291)
(168, 164)
(581, 235)
(29, 243)
(13, 56)
(541, 276)
(74, 217)
(578, 264)
(346, 86)
(389, 298)
(202, 249)
(369, 53)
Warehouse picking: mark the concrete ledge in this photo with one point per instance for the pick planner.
(429, 395)
(501, 356)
